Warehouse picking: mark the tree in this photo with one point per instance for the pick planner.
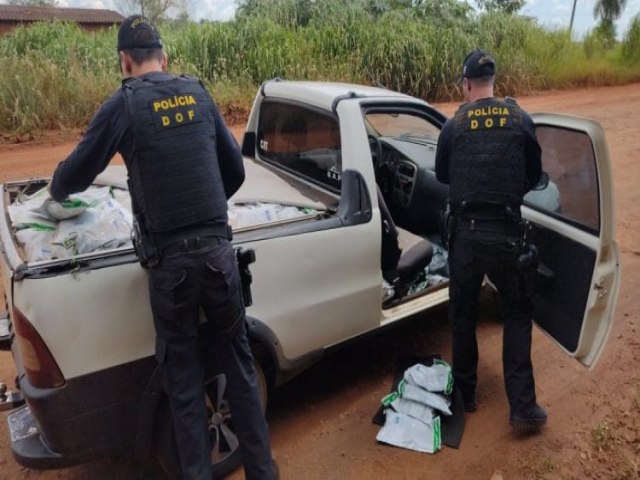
(608, 11)
(246, 8)
(33, 3)
(299, 13)
(425, 8)
(506, 6)
(287, 13)
(154, 10)
(443, 10)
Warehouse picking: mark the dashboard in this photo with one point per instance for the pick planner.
(406, 175)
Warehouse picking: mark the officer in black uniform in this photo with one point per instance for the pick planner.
(183, 165)
(489, 155)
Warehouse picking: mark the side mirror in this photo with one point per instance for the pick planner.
(543, 182)
(249, 144)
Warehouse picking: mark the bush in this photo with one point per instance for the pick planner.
(38, 94)
(55, 74)
(598, 41)
(631, 43)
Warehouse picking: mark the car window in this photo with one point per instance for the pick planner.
(301, 140)
(572, 191)
(403, 126)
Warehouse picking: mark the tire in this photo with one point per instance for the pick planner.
(263, 384)
(225, 451)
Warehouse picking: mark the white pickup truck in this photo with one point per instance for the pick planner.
(354, 162)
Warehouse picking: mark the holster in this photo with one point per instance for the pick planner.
(528, 259)
(144, 246)
(244, 259)
(447, 225)
(527, 264)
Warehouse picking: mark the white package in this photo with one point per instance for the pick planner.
(404, 431)
(412, 392)
(61, 210)
(417, 410)
(436, 378)
(243, 215)
(103, 224)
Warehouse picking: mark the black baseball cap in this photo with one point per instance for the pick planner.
(477, 64)
(137, 31)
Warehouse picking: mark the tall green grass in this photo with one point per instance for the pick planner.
(55, 75)
(631, 45)
(36, 94)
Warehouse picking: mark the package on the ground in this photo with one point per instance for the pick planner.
(435, 378)
(404, 431)
(413, 392)
(417, 410)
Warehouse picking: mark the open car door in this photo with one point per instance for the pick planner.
(573, 225)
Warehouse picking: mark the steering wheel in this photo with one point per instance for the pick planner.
(376, 152)
(384, 175)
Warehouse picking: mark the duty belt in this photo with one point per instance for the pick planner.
(488, 225)
(191, 244)
(165, 239)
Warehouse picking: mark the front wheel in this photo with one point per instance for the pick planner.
(225, 446)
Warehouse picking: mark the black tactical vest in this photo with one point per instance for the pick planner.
(174, 175)
(487, 163)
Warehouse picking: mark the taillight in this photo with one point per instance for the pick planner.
(41, 369)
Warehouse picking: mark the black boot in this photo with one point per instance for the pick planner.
(531, 418)
(470, 405)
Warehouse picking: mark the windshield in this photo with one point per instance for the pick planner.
(401, 126)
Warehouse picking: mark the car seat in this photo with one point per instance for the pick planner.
(404, 255)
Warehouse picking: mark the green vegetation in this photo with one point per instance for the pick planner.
(606, 435)
(608, 11)
(55, 75)
(630, 52)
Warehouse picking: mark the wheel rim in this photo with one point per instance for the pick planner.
(224, 441)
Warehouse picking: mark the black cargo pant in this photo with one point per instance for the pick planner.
(202, 274)
(473, 254)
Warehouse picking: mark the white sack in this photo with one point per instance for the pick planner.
(404, 431)
(436, 378)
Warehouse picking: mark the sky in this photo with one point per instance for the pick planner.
(549, 13)
(557, 14)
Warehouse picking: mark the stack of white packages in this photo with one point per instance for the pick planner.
(100, 223)
(412, 412)
(243, 215)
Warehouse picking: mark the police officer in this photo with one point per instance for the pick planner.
(489, 155)
(183, 165)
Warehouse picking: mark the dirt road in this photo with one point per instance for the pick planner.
(321, 422)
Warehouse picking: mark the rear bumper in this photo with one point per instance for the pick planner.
(28, 447)
(89, 417)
